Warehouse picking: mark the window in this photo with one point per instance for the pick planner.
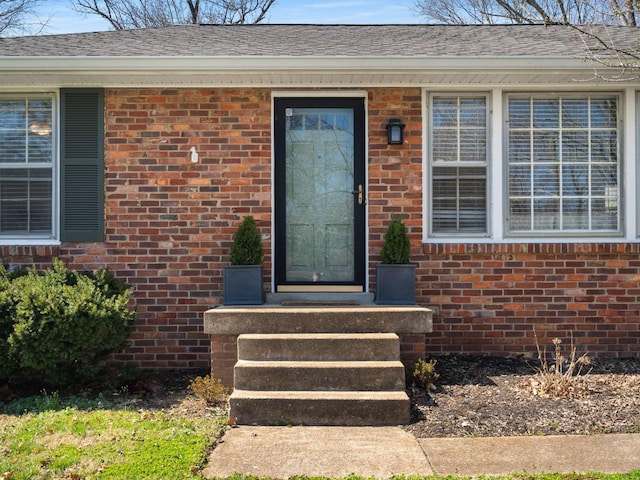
(26, 166)
(562, 164)
(32, 209)
(458, 163)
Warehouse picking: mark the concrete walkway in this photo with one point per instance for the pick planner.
(382, 452)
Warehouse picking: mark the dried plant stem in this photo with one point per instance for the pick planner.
(559, 381)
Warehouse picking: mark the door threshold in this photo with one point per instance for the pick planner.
(319, 303)
(319, 288)
(307, 299)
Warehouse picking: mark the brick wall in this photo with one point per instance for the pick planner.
(395, 171)
(490, 298)
(170, 224)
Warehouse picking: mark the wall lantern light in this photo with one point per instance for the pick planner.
(395, 132)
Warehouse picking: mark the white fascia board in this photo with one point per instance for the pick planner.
(230, 64)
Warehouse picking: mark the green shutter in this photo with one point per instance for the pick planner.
(82, 165)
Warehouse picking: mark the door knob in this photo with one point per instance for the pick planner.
(360, 193)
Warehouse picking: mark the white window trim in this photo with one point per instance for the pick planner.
(54, 240)
(429, 163)
(629, 129)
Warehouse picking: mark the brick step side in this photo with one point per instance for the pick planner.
(319, 347)
(352, 408)
(316, 376)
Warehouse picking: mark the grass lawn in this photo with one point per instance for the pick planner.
(46, 437)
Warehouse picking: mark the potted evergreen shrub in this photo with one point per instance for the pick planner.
(242, 280)
(396, 277)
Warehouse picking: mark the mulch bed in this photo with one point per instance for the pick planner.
(494, 396)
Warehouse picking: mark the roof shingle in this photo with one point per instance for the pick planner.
(291, 40)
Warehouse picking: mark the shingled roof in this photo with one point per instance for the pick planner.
(272, 40)
(268, 55)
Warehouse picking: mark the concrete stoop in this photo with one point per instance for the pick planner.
(319, 365)
(319, 379)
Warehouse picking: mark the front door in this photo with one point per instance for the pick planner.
(320, 194)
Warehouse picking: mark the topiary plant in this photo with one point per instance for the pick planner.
(247, 244)
(396, 248)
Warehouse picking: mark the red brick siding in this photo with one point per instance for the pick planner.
(170, 223)
(490, 298)
(224, 354)
(395, 171)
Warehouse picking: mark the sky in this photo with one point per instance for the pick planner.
(63, 19)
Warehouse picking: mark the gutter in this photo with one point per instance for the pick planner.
(278, 63)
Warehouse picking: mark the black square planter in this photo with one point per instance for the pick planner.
(243, 285)
(396, 284)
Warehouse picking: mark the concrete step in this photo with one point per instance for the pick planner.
(319, 347)
(231, 320)
(319, 365)
(352, 408)
(316, 376)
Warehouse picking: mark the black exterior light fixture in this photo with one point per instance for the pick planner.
(395, 131)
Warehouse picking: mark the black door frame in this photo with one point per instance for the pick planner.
(359, 178)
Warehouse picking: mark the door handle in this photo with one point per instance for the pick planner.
(360, 193)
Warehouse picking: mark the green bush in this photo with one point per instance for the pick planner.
(56, 326)
(247, 244)
(396, 248)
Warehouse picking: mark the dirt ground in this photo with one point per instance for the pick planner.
(490, 396)
(476, 396)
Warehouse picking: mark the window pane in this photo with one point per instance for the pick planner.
(40, 147)
(545, 146)
(519, 147)
(327, 122)
(14, 146)
(459, 199)
(14, 216)
(604, 214)
(575, 180)
(520, 113)
(472, 112)
(546, 113)
(40, 216)
(604, 147)
(25, 201)
(473, 146)
(575, 113)
(445, 146)
(545, 181)
(571, 181)
(26, 141)
(13, 114)
(311, 122)
(444, 215)
(459, 137)
(295, 122)
(520, 215)
(519, 181)
(605, 181)
(575, 146)
(604, 113)
(546, 214)
(445, 112)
